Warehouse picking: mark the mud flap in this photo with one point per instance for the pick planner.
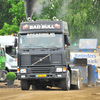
(75, 75)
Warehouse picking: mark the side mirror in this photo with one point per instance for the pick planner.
(68, 40)
(15, 42)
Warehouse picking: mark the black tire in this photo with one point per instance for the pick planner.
(25, 85)
(65, 83)
(4, 77)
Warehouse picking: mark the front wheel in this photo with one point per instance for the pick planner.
(65, 83)
(4, 79)
(25, 85)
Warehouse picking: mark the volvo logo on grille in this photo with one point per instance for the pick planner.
(40, 59)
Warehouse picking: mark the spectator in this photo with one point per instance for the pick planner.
(88, 45)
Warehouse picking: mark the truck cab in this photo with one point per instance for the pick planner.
(44, 54)
(7, 43)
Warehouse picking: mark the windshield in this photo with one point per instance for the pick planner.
(41, 40)
(87, 43)
(10, 50)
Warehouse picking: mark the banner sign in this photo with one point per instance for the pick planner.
(92, 57)
(40, 26)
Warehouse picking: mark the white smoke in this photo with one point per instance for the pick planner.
(39, 6)
(62, 11)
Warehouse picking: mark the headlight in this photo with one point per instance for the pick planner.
(11, 60)
(58, 69)
(23, 71)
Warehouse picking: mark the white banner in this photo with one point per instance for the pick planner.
(92, 57)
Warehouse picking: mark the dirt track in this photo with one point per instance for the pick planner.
(15, 93)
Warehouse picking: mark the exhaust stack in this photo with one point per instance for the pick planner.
(29, 8)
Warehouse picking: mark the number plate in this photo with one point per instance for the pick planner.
(41, 75)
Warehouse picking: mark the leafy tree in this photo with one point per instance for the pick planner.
(8, 29)
(83, 18)
(17, 11)
(51, 8)
(5, 16)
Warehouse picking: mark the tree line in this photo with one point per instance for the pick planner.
(82, 16)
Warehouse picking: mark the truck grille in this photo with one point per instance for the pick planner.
(35, 58)
(25, 60)
(40, 60)
(40, 70)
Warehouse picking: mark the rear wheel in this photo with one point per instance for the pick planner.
(25, 85)
(65, 83)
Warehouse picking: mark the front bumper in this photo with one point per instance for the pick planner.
(41, 76)
(34, 73)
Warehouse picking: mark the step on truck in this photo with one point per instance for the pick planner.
(44, 56)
